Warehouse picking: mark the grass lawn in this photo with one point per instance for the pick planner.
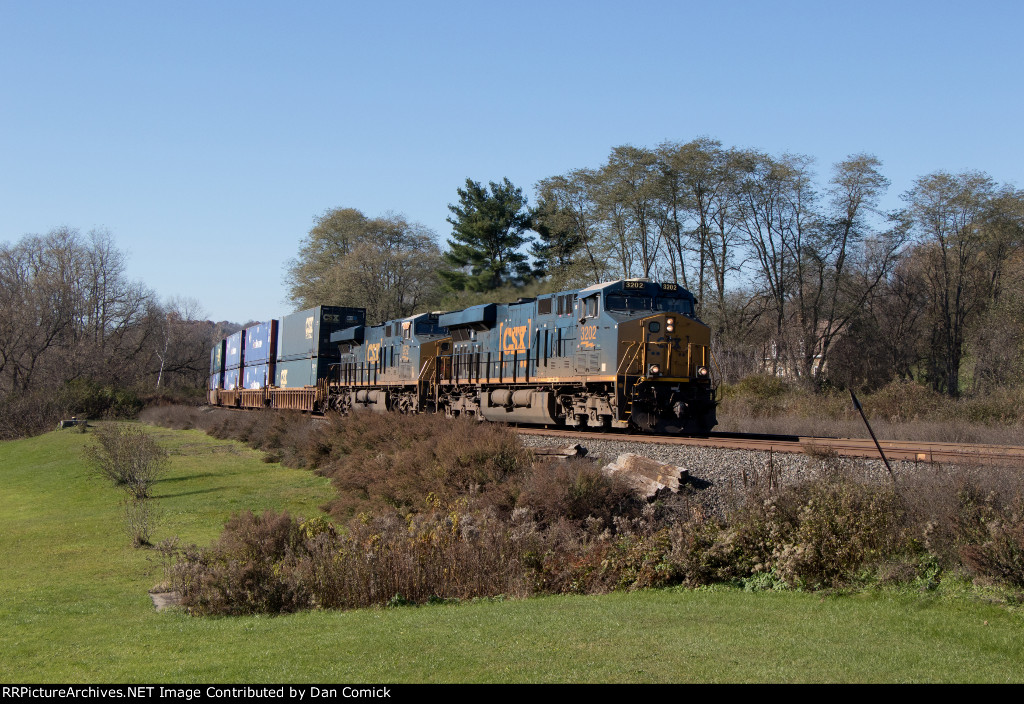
(74, 605)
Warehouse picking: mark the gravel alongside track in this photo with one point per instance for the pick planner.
(721, 476)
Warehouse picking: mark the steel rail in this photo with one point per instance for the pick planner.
(904, 450)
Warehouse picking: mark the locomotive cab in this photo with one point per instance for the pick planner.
(663, 366)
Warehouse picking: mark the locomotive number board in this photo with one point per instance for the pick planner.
(670, 287)
(633, 284)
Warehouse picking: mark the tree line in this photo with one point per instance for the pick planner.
(797, 274)
(76, 333)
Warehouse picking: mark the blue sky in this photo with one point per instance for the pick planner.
(206, 136)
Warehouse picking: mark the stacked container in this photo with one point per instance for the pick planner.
(304, 350)
(217, 366)
(233, 350)
(260, 355)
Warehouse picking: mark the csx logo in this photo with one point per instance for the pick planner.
(373, 352)
(515, 339)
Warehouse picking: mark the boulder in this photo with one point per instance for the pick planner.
(647, 476)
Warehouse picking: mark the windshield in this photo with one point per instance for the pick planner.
(620, 301)
(675, 305)
(428, 327)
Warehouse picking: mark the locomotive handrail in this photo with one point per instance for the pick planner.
(628, 361)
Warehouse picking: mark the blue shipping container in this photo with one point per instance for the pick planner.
(233, 352)
(231, 379)
(260, 344)
(256, 377)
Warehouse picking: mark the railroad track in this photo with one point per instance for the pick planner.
(905, 450)
(845, 447)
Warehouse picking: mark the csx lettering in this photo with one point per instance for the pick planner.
(373, 353)
(514, 339)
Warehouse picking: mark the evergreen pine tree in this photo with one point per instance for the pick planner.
(487, 233)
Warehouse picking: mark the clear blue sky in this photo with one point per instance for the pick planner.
(207, 135)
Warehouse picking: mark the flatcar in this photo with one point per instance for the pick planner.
(626, 353)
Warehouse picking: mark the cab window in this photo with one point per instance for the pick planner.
(674, 305)
(427, 327)
(623, 302)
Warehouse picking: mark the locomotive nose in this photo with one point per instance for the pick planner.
(676, 348)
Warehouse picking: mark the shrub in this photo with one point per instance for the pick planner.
(30, 414)
(273, 563)
(379, 461)
(242, 572)
(817, 534)
(992, 536)
(901, 401)
(706, 552)
(90, 399)
(140, 517)
(576, 490)
(127, 456)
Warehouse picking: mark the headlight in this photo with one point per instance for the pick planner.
(703, 372)
(655, 370)
(670, 324)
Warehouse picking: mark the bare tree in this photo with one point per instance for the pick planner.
(66, 308)
(182, 341)
(632, 185)
(949, 213)
(772, 211)
(846, 259)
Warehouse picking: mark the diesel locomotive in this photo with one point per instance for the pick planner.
(620, 354)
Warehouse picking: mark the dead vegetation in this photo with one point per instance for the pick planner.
(431, 510)
(900, 410)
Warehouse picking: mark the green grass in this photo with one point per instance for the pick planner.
(74, 607)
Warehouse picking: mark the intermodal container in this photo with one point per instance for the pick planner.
(216, 382)
(256, 376)
(297, 373)
(260, 344)
(232, 378)
(217, 359)
(307, 334)
(233, 347)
